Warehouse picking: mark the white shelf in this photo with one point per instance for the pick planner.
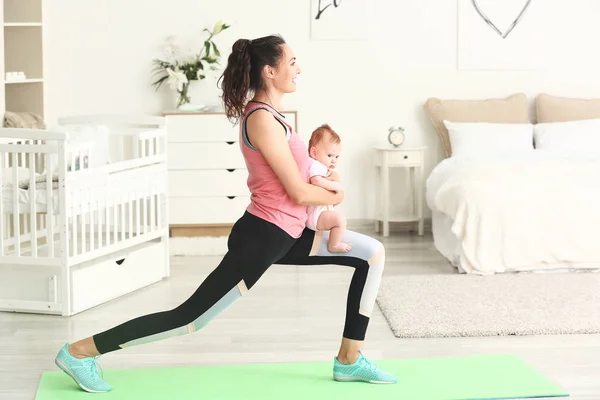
(23, 82)
(22, 24)
(21, 44)
(400, 218)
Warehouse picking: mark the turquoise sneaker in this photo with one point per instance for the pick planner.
(362, 370)
(84, 371)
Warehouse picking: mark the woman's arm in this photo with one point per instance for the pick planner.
(265, 133)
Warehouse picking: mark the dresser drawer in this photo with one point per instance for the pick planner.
(207, 210)
(111, 276)
(200, 183)
(214, 155)
(400, 157)
(186, 128)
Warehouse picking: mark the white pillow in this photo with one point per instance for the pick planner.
(486, 138)
(582, 136)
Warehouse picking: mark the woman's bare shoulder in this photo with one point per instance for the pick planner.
(262, 127)
(260, 117)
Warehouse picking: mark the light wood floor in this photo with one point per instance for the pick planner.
(292, 314)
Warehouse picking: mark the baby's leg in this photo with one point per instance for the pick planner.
(333, 221)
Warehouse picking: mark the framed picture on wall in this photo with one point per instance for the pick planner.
(502, 34)
(341, 19)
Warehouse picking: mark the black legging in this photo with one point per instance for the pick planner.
(254, 245)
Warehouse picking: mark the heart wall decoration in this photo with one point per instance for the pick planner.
(501, 35)
(512, 26)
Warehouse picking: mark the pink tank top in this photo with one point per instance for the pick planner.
(268, 199)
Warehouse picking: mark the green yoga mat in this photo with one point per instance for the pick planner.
(464, 378)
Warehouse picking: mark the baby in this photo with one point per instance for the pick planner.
(324, 149)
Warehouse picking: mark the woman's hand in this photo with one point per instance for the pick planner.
(339, 197)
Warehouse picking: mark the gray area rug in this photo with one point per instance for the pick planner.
(425, 306)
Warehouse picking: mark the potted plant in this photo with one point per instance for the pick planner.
(180, 72)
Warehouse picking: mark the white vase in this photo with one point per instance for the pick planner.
(202, 93)
(205, 91)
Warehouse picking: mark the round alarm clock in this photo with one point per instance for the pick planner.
(396, 136)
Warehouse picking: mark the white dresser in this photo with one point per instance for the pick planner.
(207, 173)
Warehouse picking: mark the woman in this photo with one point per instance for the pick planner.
(271, 231)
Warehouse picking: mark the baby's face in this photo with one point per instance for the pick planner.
(327, 153)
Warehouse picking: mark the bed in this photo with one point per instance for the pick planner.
(83, 212)
(512, 196)
(533, 212)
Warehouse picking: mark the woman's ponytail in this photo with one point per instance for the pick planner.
(236, 79)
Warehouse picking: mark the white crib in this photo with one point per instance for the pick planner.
(76, 235)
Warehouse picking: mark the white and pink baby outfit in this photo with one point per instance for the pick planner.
(316, 168)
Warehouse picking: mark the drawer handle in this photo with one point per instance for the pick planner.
(405, 157)
(230, 142)
(231, 197)
(230, 169)
(121, 261)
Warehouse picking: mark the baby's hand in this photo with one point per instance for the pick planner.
(333, 176)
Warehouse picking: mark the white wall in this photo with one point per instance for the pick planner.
(99, 52)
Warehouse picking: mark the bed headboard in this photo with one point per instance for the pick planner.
(512, 109)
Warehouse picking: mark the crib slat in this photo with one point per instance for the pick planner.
(83, 208)
(92, 203)
(106, 219)
(145, 210)
(138, 213)
(74, 222)
(152, 209)
(32, 205)
(49, 211)
(122, 202)
(16, 213)
(130, 224)
(159, 221)
(151, 150)
(115, 220)
(99, 222)
(24, 163)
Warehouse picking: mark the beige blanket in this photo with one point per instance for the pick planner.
(27, 120)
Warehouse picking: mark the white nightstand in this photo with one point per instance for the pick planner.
(414, 160)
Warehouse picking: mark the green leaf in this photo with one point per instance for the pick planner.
(160, 82)
(217, 52)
